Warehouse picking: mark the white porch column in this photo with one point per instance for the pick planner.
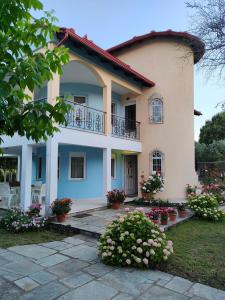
(107, 101)
(106, 171)
(26, 176)
(51, 172)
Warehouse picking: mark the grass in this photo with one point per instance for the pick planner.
(199, 248)
(8, 239)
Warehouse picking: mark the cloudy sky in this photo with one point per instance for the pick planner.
(109, 22)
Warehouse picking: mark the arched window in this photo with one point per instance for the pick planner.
(157, 162)
(156, 111)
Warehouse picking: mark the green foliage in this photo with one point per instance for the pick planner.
(205, 206)
(210, 152)
(213, 130)
(133, 240)
(115, 196)
(22, 69)
(16, 220)
(61, 206)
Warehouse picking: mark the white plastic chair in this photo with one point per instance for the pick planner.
(5, 195)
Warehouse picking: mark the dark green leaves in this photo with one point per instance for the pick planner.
(22, 68)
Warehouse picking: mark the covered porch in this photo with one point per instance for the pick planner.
(81, 173)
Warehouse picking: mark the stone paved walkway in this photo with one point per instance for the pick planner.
(70, 269)
(97, 220)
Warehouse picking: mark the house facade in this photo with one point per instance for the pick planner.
(132, 112)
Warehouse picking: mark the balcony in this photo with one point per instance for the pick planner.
(85, 118)
(125, 128)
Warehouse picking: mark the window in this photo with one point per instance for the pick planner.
(156, 111)
(79, 99)
(77, 166)
(113, 167)
(157, 162)
(39, 168)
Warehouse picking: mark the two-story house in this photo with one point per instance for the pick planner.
(132, 110)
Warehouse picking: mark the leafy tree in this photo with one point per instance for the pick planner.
(22, 69)
(213, 130)
(209, 24)
(210, 153)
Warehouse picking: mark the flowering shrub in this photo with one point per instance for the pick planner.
(133, 240)
(115, 196)
(205, 206)
(35, 209)
(215, 189)
(153, 185)
(61, 206)
(16, 220)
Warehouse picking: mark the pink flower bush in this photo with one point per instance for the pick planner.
(134, 241)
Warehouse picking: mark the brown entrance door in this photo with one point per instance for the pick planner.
(131, 185)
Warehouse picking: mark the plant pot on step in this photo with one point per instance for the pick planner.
(164, 222)
(182, 213)
(172, 217)
(155, 221)
(61, 218)
(116, 205)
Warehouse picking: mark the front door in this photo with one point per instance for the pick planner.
(131, 185)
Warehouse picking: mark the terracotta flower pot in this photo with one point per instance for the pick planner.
(164, 222)
(155, 221)
(182, 213)
(147, 196)
(172, 217)
(116, 205)
(61, 218)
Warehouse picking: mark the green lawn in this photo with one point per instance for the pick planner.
(8, 239)
(199, 252)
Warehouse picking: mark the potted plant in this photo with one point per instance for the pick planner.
(153, 216)
(182, 212)
(151, 186)
(61, 207)
(164, 217)
(172, 214)
(115, 198)
(34, 210)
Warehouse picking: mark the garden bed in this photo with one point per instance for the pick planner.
(198, 252)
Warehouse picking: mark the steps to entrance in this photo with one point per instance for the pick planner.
(93, 223)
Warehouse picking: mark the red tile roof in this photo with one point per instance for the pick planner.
(192, 41)
(66, 33)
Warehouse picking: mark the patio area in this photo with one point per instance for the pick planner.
(94, 222)
(70, 269)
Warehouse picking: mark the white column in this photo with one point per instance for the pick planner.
(107, 101)
(106, 171)
(51, 172)
(26, 176)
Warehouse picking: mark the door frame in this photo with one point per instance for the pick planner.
(125, 177)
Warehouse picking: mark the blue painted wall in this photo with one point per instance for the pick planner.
(92, 185)
(117, 183)
(41, 152)
(93, 93)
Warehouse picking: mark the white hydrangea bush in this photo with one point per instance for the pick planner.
(133, 240)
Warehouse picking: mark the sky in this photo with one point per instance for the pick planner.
(110, 22)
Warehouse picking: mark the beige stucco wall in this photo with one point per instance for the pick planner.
(170, 66)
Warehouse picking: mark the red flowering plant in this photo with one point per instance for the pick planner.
(153, 214)
(115, 196)
(164, 214)
(172, 211)
(61, 206)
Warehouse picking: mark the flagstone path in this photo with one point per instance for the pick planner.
(70, 269)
